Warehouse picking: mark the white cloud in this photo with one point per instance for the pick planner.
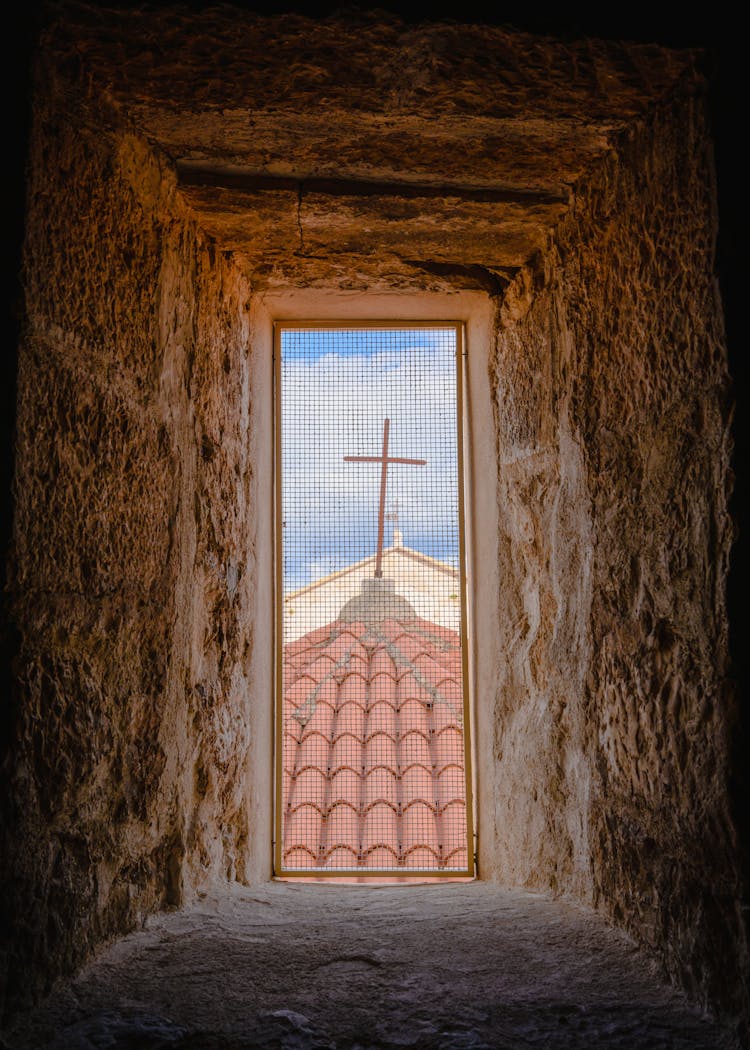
(335, 406)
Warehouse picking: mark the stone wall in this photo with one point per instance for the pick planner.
(614, 715)
(129, 575)
(133, 576)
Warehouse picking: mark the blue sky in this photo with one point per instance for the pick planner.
(338, 385)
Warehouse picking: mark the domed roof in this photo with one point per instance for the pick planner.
(377, 601)
(373, 746)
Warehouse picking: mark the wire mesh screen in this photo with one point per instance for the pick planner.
(371, 684)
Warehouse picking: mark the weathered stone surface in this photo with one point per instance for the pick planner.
(473, 966)
(359, 62)
(613, 710)
(127, 753)
(369, 100)
(313, 239)
(133, 570)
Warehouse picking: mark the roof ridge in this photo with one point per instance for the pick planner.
(388, 552)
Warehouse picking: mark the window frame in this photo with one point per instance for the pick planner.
(394, 323)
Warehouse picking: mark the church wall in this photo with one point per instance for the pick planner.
(129, 583)
(613, 709)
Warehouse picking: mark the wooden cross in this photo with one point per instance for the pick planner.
(384, 460)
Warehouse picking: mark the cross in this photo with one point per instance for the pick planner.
(384, 460)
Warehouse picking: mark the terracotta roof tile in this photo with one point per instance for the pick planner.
(418, 783)
(299, 858)
(351, 716)
(372, 759)
(416, 750)
(303, 828)
(380, 827)
(312, 752)
(380, 784)
(345, 784)
(382, 718)
(420, 858)
(444, 717)
(382, 857)
(345, 753)
(449, 784)
(420, 828)
(309, 786)
(342, 825)
(448, 747)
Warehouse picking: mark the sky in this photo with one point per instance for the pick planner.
(337, 388)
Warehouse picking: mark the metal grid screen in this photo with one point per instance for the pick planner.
(372, 774)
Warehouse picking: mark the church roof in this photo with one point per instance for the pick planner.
(373, 754)
(431, 587)
(392, 555)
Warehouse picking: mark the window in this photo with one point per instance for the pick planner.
(372, 740)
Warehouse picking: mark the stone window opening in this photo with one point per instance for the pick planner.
(372, 739)
(474, 313)
(558, 198)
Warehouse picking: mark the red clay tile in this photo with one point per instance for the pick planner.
(419, 827)
(380, 785)
(382, 857)
(313, 752)
(381, 749)
(345, 785)
(383, 688)
(341, 827)
(410, 687)
(373, 749)
(413, 714)
(342, 858)
(303, 828)
(381, 662)
(354, 689)
(454, 843)
(309, 786)
(351, 717)
(450, 688)
(345, 646)
(449, 746)
(346, 753)
(299, 858)
(417, 783)
(380, 827)
(415, 749)
(409, 645)
(443, 716)
(449, 784)
(297, 692)
(322, 719)
(420, 858)
(382, 718)
(314, 638)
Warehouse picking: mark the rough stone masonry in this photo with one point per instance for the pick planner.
(181, 165)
